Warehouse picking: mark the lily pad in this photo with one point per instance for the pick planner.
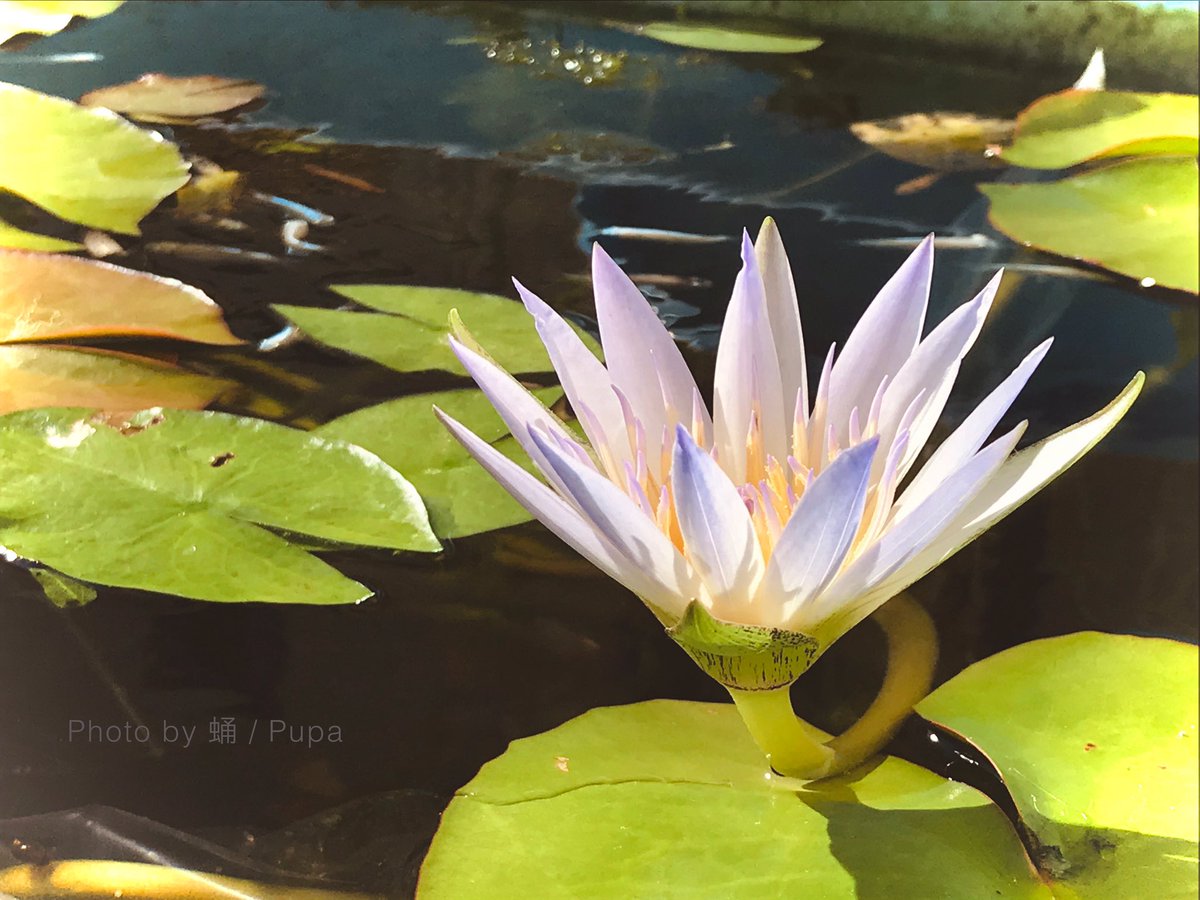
(945, 141)
(1096, 736)
(49, 297)
(408, 333)
(17, 238)
(33, 375)
(1073, 126)
(155, 96)
(728, 40)
(462, 498)
(1137, 217)
(47, 16)
(87, 166)
(181, 502)
(669, 799)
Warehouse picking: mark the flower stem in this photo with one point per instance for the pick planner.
(799, 750)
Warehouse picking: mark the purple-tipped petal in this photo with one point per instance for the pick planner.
(783, 311)
(974, 430)
(747, 374)
(884, 337)
(583, 377)
(906, 537)
(560, 517)
(932, 369)
(617, 517)
(634, 340)
(718, 533)
(819, 534)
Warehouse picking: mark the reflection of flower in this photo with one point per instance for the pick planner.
(763, 532)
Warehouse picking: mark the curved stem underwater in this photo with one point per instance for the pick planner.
(800, 750)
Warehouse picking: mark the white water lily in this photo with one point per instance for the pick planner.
(771, 527)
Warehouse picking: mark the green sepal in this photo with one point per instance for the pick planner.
(744, 657)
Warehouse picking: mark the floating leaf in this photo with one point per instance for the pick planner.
(1073, 126)
(1137, 217)
(180, 502)
(410, 334)
(87, 166)
(156, 96)
(462, 498)
(1095, 735)
(11, 236)
(33, 375)
(946, 141)
(669, 799)
(729, 40)
(47, 16)
(49, 297)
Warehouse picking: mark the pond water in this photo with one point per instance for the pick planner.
(484, 155)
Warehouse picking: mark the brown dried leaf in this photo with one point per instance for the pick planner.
(155, 97)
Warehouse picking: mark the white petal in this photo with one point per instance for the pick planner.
(583, 377)
(718, 533)
(643, 360)
(974, 430)
(617, 517)
(562, 519)
(884, 337)
(818, 535)
(747, 374)
(783, 311)
(903, 539)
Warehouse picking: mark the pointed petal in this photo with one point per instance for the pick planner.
(819, 534)
(623, 525)
(562, 518)
(718, 533)
(583, 377)
(517, 407)
(933, 368)
(884, 337)
(747, 374)
(783, 312)
(974, 430)
(635, 340)
(905, 538)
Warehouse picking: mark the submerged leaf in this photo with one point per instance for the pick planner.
(47, 16)
(669, 799)
(181, 502)
(87, 166)
(1096, 736)
(462, 498)
(1073, 126)
(155, 96)
(33, 375)
(410, 335)
(946, 141)
(1137, 217)
(728, 40)
(50, 297)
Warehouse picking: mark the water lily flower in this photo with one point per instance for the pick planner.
(760, 533)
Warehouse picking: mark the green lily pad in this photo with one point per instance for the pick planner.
(669, 799)
(19, 239)
(87, 166)
(180, 502)
(47, 16)
(728, 40)
(408, 333)
(462, 498)
(1073, 126)
(1137, 217)
(1096, 736)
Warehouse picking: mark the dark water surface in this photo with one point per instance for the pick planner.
(491, 158)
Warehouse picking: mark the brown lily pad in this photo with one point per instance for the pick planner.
(156, 97)
(945, 141)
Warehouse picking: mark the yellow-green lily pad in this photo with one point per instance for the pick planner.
(1095, 735)
(47, 16)
(727, 40)
(1137, 217)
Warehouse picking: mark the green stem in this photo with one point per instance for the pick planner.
(799, 750)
